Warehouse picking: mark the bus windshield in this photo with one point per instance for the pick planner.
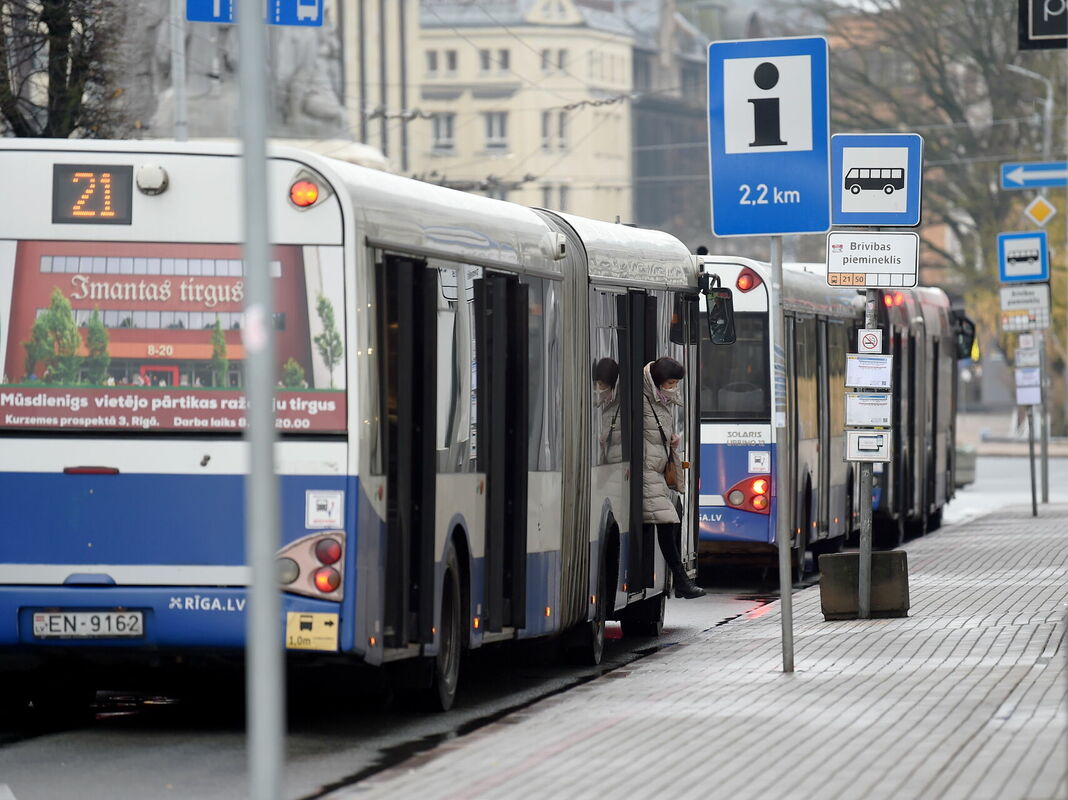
(735, 380)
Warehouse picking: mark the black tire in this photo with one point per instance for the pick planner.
(854, 189)
(888, 189)
(934, 520)
(446, 664)
(888, 533)
(585, 645)
(646, 617)
(798, 561)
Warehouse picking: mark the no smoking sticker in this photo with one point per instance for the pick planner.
(869, 341)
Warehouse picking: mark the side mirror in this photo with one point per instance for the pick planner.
(720, 304)
(965, 330)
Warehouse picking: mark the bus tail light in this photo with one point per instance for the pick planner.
(314, 565)
(751, 494)
(747, 280)
(303, 193)
(893, 299)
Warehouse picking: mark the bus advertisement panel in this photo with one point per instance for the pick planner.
(151, 337)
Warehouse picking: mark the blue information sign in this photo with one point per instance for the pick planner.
(1035, 173)
(876, 179)
(1023, 257)
(278, 12)
(768, 135)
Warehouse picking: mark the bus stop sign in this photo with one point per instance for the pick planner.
(768, 134)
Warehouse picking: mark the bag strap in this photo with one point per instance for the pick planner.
(663, 436)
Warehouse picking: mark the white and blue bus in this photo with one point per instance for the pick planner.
(742, 398)
(443, 476)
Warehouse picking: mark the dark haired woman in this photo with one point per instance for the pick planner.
(662, 378)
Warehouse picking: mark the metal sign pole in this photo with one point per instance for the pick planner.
(1040, 341)
(783, 535)
(178, 73)
(864, 567)
(1031, 457)
(264, 656)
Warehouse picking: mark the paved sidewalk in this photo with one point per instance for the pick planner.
(965, 698)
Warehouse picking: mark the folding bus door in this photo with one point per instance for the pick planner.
(637, 347)
(407, 297)
(824, 484)
(502, 335)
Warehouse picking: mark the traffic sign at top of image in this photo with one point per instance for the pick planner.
(769, 136)
(305, 13)
(876, 179)
(1033, 174)
(1023, 257)
(1043, 24)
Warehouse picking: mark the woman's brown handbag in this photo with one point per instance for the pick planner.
(671, 471)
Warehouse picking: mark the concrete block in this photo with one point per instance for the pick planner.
(840, 573)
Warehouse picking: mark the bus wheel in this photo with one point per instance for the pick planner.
(590, 646)
(446, 667)
(644, 618)
(854, 189)
(934, 520)
(797, 559)
(886, 534)
(888, 189)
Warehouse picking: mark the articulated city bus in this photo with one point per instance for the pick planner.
(796, 380)
(442, 479)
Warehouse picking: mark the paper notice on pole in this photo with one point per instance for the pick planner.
(869, 371)
(1028, 376)
(1028, 395)
(867, 410)
(1027, 358)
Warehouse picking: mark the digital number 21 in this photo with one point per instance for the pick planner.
(93, 178)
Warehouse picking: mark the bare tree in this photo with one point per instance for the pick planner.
(58, 61)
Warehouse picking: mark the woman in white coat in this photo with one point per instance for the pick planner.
(662, 378)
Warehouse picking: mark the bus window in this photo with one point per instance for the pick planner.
(735, 379)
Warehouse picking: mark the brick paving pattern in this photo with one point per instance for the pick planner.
(965, 698)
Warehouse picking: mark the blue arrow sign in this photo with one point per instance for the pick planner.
(1037, 173)
(1023, 257)
(307, 13)
(768, 135)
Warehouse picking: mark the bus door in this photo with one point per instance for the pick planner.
(502, 311)
(407, 300)
(637, 348)
(823, 480)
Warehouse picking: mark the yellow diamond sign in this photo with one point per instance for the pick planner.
(1040, 211)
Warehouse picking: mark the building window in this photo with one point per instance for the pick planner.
(497, 193)
(561, 60)
(496, 129)
(484, 61)
(443, 129)
(431, 62)
(451, 62)
(546, 60)
(546, 130)
(504, 59)
(561, 130)
(563, 198)
(546, 197)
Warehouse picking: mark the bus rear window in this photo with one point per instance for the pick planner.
(146, 337)
(735, 379)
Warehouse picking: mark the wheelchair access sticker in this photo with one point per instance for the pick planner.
(306, 631)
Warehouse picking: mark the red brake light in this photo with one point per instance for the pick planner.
(327, 579)
(898, 298)
(747, 280)
(751, 494)
(888, 300)
(328, 551)
(303, 193)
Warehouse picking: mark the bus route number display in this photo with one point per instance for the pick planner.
(92, 194)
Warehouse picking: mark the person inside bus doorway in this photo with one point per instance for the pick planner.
(606, 399)
(663, 474)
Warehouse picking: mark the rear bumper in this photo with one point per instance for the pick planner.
(174, 618)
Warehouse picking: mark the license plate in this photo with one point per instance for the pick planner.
(88, 624)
